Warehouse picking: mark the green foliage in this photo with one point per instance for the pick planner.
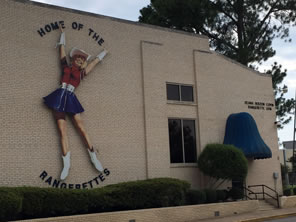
(32, 202)
(294, 191)
(211, 196)
(236, 193)
(242, 30)
(10, 205)
(287, 192)
(195, 197)
(283, 106)
(285, 169)
(189, 15)
(223, 162)
(46, 202)
(162, 192)
(221, 195)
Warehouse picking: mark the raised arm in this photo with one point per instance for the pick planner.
(93, 63)
(62, 44)
(62, 52)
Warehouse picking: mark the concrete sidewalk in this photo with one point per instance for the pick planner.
(254, 216)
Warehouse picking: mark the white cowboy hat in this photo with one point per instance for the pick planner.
(76, 51)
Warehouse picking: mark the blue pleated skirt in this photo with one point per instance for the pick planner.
(63, 100)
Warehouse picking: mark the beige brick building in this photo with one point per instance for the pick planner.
(125, 98)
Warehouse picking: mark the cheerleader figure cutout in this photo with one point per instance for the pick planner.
(64, 102)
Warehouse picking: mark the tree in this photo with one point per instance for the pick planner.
(223, 162)
(283, 106)
(243, 30)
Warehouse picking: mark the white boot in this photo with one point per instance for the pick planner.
(66, 162)
(102, 55)
(95, 161)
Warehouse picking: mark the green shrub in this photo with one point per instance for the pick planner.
(294, 191)
(225, 162)
(287, 192)
(32, 202)
(59, 202)
(195, 197)
(236, 193)
(33, 199)
(221, 195)
(10, 205)
(161, 192)
(211, 196)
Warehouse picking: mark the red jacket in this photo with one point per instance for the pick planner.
(71, 74)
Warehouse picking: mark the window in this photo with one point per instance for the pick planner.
(178, 92)
(182, 141)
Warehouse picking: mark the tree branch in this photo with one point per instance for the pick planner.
(207, 33)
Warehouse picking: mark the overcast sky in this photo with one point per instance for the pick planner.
(129, 10)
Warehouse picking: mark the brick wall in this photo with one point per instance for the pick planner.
(124, 97)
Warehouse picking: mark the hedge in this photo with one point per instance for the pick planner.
(294, 191)
(236, 193)
(211, 195)
(139, 195)
(10, 204)
(195, 197)
(221, 195)
(32, 202)
(287, 192)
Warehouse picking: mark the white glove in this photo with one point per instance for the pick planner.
(102, 54)
(62, 40)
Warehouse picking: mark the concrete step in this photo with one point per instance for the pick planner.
(264, 206)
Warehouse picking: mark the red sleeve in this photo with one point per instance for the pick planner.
(65, 70)
(82, 74)
(64, 63)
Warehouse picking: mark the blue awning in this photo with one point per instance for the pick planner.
(242, 132)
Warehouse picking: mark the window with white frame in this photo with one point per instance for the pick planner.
(179, 92)
(182, 138)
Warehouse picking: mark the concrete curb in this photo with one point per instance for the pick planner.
(269, 217)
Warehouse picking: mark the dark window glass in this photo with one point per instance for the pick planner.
(182, 141)
(173, 92)
(189, 141)
(187, 93)
(175, 134)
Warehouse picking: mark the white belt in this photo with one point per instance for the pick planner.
(69, 87)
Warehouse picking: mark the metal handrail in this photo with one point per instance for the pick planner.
(250, 192)
(264, 193)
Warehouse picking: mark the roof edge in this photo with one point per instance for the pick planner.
(241, 65)
(39, 4)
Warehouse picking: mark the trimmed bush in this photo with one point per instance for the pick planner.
(195, 197)
(65, 202)
(287, 192)
(32, 202)
(221, 195)
(294, 191)
(211, 196)
(162, 192)
(224, 162)
(236, 193)
(10, 205)
(49, 202)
